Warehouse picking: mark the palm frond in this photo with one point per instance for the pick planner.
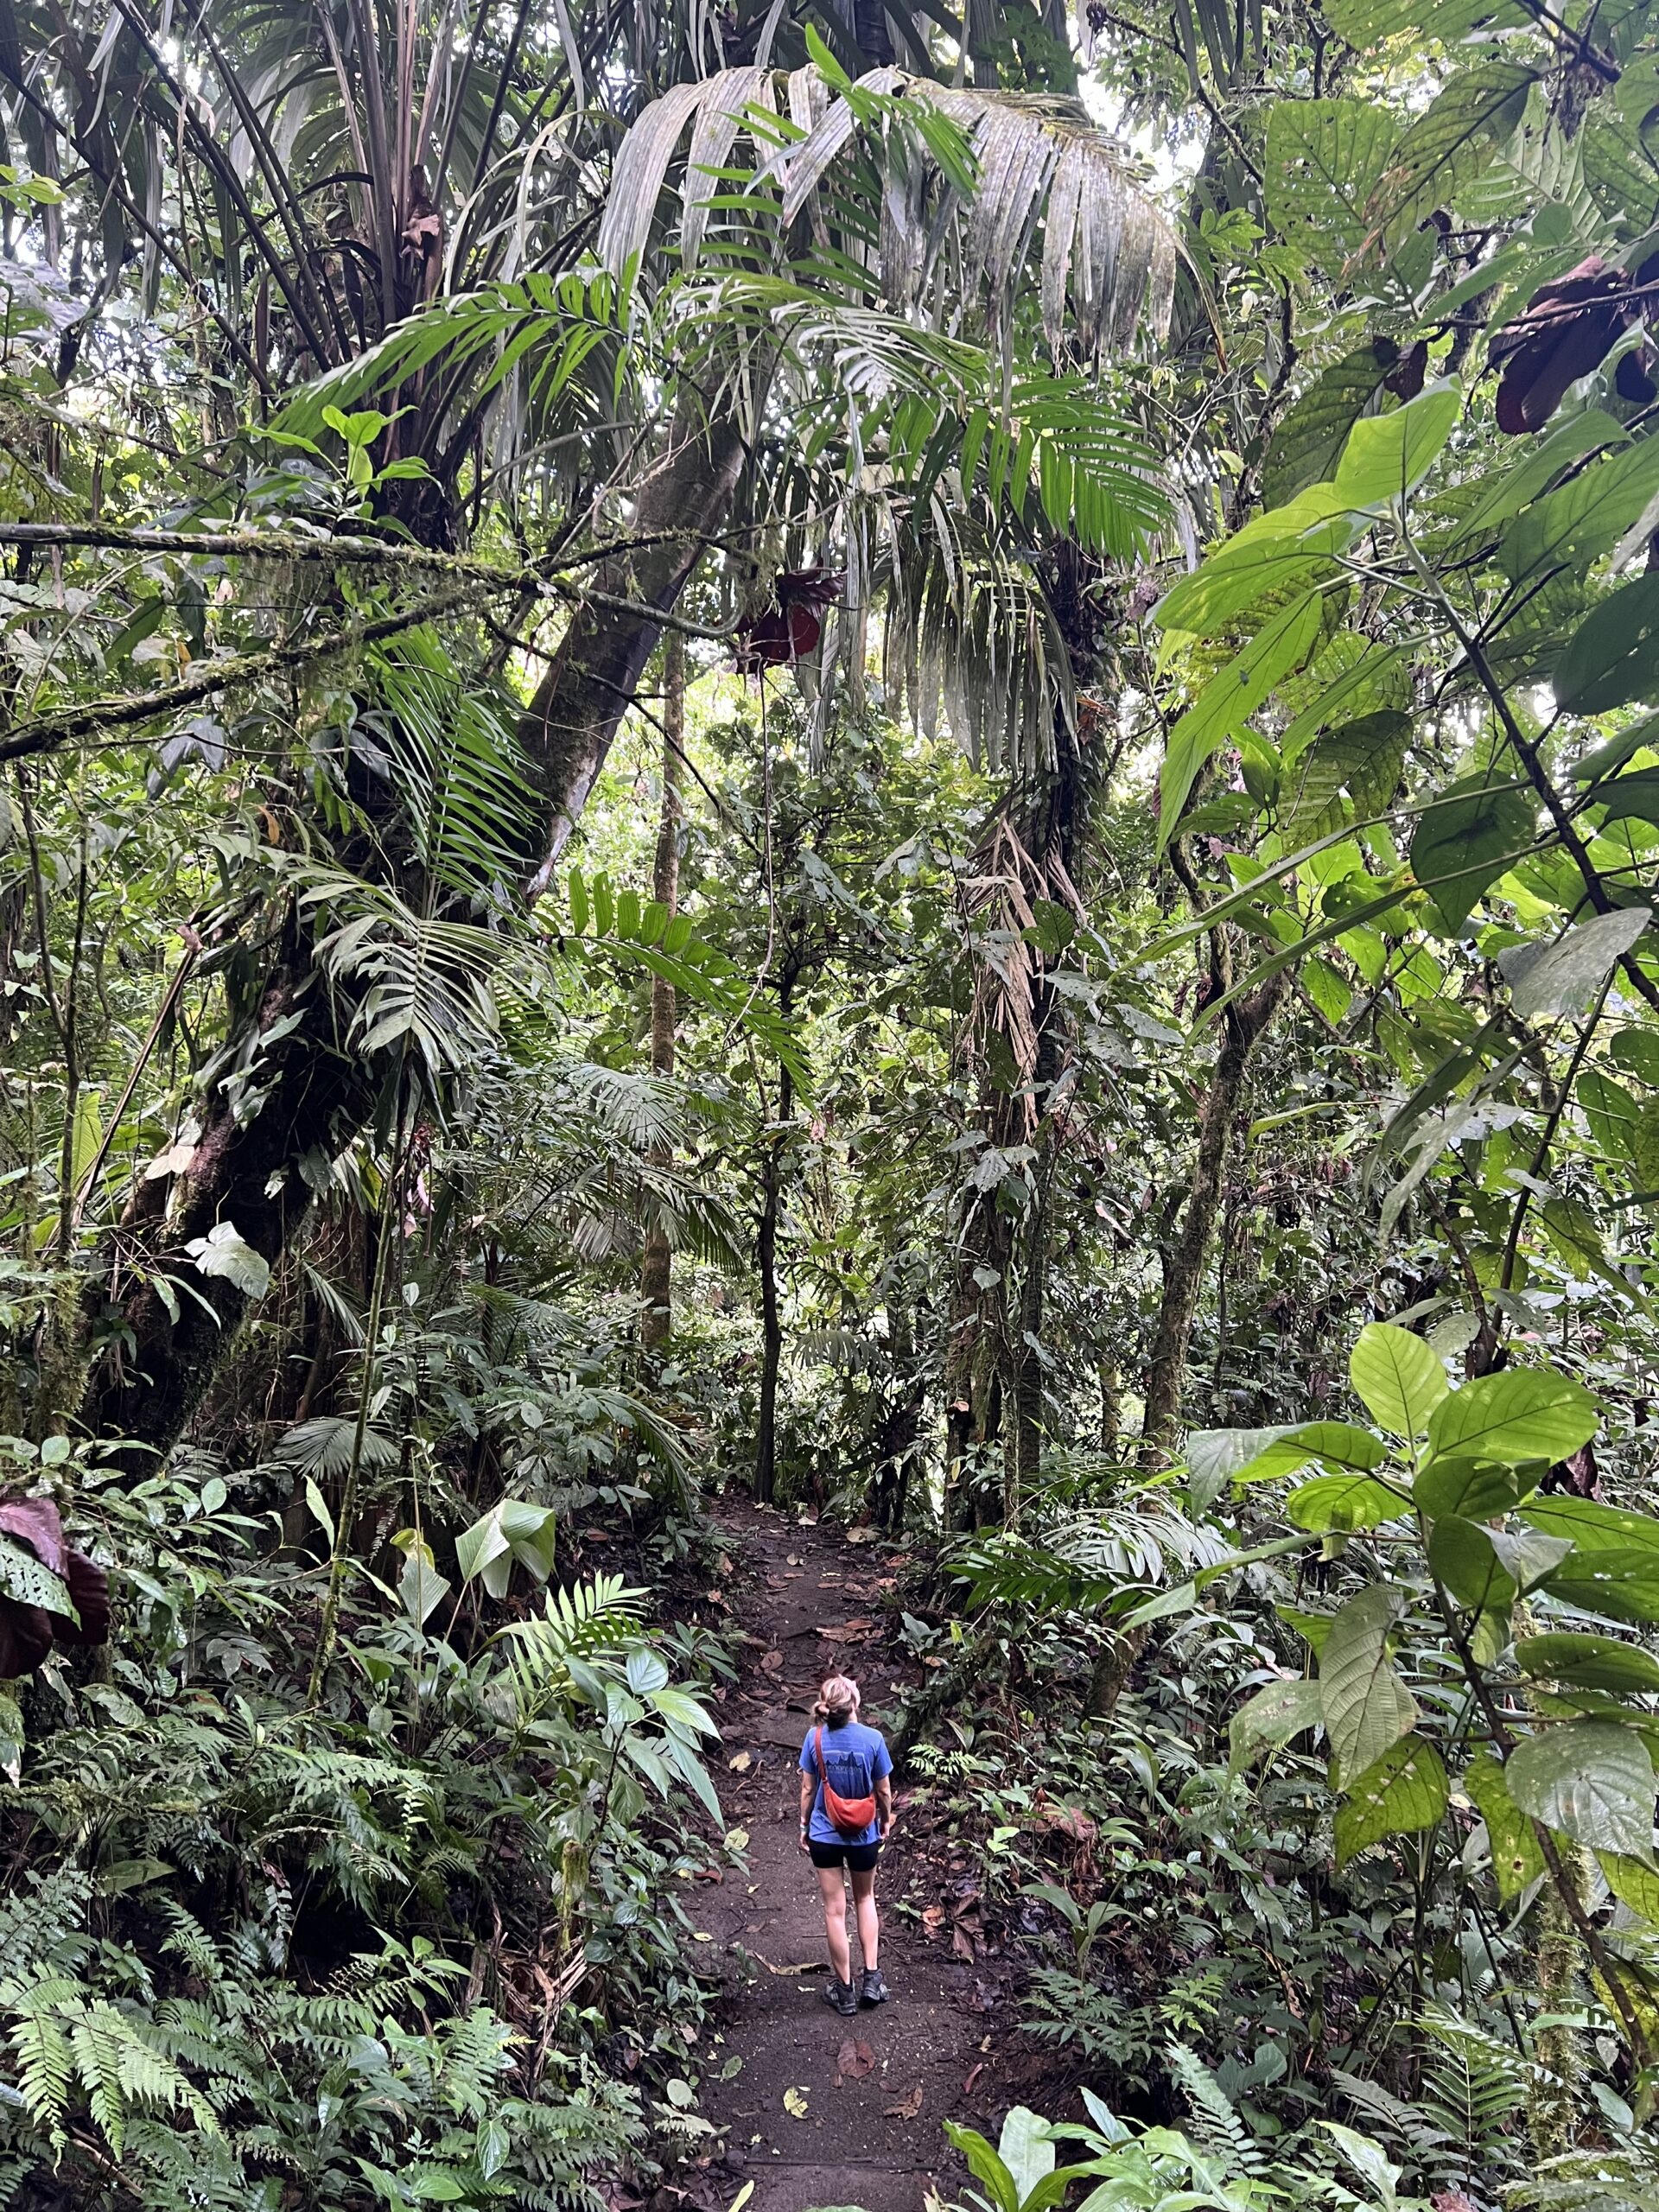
(988, 168)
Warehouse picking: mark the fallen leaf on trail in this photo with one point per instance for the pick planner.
(864, 1536)
(723, 1564)
(852, 1631)
(974, 2073)
(774, 1582)
(795, 2103)
(963, 1944)
(714, 1597)
(854, 2060)
(737, 1838)
(829, 1582)
(932, 1917)
(742, 1763)
(907, 2107)
(793, 1559)
(773, 1662)
(809, 1966)
(595, 1536)
(1071, 1821)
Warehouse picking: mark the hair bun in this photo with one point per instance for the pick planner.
(837, 1700)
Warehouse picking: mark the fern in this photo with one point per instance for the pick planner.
(1216, 2123)
(1474, 2085)
(576, 1626)
(1622, 2179)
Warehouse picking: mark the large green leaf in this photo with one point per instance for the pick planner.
(1387, 455)
(1594, 1527)
(1399, 1377)
(1338, 1443)
(512, 1531)
(1367, 1708)
(1612, 656)
(23, 1580)
(1215, 1455)
(1591, 1780)
(1367, 23)
(1475, 832)
(1450, 141)
(1462, 1556)
(1518, 1861)
(1470, 1487)
(1228, 700)
(1611, 1111)
(1324, 159)
(1565, 976)
(1363, 758)
(1522, 1413)
(1274, 1716)
(1622, 1586)
(1308, 444)
(1633, 1882)
(1347, 1501)
(1588, 1662)
(1583, 518)
(1027, 2149)
(1287, 551)
(984, 2164)
(1405, 1791)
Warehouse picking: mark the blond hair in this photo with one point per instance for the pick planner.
(838, 1699)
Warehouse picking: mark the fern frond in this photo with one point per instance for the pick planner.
(1215, 2120)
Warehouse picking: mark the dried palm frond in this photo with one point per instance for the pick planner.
(1001, 897)
(970, 178)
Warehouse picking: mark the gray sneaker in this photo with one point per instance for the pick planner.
(840, 1995)
(874, 1991)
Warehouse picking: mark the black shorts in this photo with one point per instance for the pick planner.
(856, 1858)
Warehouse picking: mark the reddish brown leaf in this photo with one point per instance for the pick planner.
(974, 2073)
(773, 1662)
(854, 2060)
(33, 1522)
(1566, 328)
(963, 1944)
(907, 2107)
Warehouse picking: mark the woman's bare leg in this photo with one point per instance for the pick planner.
(832, 1890)
(869, 1924)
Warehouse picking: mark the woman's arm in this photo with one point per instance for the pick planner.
(809, 1791)
(884, 1806)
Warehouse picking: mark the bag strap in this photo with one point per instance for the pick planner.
(817, 1750)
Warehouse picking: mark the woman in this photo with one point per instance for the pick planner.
(854, 1761)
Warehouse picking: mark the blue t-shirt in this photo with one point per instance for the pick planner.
(856, 1759)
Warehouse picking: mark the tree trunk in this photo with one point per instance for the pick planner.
(1244, 1025)
(1024, 1464)
(314, 1092)
(901, 1425)
(566, 730)
(656, 1271)
(772, 1327)
(163, 1345)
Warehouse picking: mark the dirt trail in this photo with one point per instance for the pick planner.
(875, 2088)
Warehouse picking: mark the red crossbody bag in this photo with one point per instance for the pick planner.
(848, 1815)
